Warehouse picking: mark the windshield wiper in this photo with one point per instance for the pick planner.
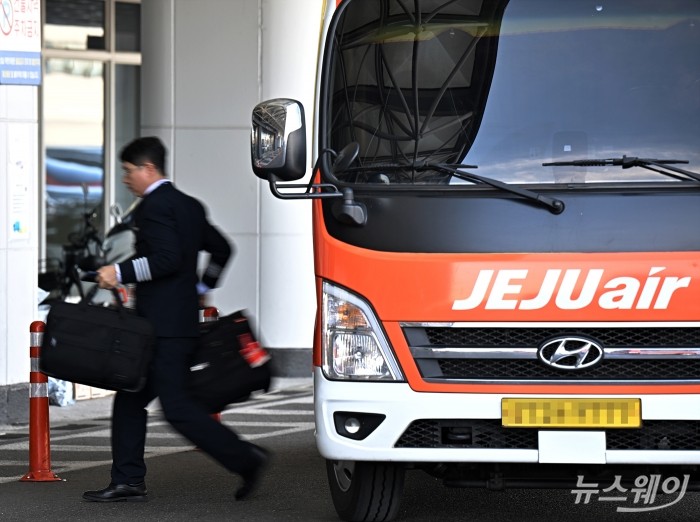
(556, 206)
(662, 166)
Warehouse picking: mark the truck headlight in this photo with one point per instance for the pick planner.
(354, 344)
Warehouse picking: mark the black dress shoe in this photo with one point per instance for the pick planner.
(251, 480)
(118, 493)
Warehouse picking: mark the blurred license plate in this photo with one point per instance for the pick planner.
(571, 413)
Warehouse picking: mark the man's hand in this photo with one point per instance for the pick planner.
(107, 277)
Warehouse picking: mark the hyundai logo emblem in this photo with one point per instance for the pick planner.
(570, 353)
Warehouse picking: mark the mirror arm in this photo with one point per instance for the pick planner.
(310, 191)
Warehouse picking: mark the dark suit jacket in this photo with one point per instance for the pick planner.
(171, 230)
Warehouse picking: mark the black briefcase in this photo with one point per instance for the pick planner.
(106, 347)
(229, 363)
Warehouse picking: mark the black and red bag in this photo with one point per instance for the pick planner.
(229, 363)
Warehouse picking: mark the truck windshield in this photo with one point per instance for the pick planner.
(520, 89)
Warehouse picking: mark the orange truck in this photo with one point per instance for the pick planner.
(506, 210)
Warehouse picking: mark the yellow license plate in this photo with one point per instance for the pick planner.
(571, 413)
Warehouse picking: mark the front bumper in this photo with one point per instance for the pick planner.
(670, 432)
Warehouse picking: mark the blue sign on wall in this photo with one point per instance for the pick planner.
(20, 67)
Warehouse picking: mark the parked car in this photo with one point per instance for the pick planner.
(74, 178)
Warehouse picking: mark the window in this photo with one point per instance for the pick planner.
(90, 109)
(424, 85)
(74, 24)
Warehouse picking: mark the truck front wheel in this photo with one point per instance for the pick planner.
(364, 491)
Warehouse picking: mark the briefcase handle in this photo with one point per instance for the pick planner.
(90, 295)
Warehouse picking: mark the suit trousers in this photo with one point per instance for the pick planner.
(168, 381)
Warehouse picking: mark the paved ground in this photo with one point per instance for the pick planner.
(102, 407)
(80, 432)
(184, 484)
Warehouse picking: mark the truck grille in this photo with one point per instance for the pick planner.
(509, 354)
(488, 433)
(523, 337)
(481, 433)
(627, 370)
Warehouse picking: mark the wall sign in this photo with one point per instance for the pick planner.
(20, 42)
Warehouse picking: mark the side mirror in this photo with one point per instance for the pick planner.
(278, 140)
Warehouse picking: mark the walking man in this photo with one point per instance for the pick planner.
(171, 229)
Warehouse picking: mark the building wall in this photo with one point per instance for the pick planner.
(205, 66)
(19, 201)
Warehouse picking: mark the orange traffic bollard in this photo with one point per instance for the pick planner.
(39, 443)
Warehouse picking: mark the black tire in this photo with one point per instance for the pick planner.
(364, 491)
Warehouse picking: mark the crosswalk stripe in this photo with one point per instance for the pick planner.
(268, 405)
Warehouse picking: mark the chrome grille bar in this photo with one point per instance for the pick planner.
(508, 352)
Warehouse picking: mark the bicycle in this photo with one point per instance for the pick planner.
(69, 277)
